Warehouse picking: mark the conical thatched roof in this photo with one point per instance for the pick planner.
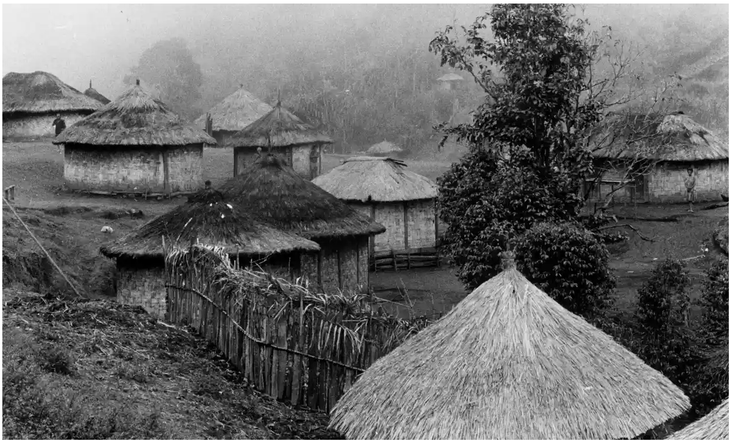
(42, 92)
(714, 425)
(384, 147)
(368, 178)
(450, 77)
(276, 194)
(278, 128)
(508, 362)
(236, 112)
(92, 93)
(135, 118)
(674, 137)
(209, 218)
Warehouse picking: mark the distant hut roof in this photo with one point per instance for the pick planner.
(211, 219)
(674, 137)
(450, 77)
(274, 192)
(367, 178)
(92, 93)
(384, 148)
(508, 362)
(42, 92)
(236, 111)
(714, 425)
(278, 128)
(135, 118)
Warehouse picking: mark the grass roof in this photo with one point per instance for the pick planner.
(93, 93)
(236, 112)
(278, 128)
(42, 92)
(384, 147)
(714, 425)
(134, 119)
(508, 362)
(367, 178)
(675, 137)
(275, 193)
(210, 219)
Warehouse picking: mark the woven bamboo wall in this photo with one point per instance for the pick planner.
(391, 216)
(421, 224)
(143, 287)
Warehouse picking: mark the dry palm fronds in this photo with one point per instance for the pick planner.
(134, 119)
(273, 192)
(384, 148)
(235, 112)
(42, 92)
(365, 178)
(93, 93)
(508, 362)
(714, 425)
(278, 128)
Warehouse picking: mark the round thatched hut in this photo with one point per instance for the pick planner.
(93, 93)
(674, 143)
(277, 195)
(31, 102)
(714, 425)
(234, 113)
(283, 133)
(134, 145)
(384, 148)
(508, 362)
(402, 201)
(207, 218)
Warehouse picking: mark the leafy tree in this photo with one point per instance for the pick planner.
(168, 66)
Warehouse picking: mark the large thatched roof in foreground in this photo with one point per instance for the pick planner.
(42, 92)
(134, 119)
(367, 178)
(275, 193)
(210, 219)
(384, 147)
(714, 425)
(675, 137)
(278, 128)
(235, 112)
(508, 362)
(93, 93)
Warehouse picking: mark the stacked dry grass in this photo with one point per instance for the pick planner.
(236, 112)
(93, 93)
(714, 425)
(508, 362)
(273, 192)
(367, 178)
(210, 219)
(278, 128)
(42, 92)
(134, 119)
(383, 148)
(675, 137)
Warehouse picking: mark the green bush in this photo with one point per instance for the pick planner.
(569, 264)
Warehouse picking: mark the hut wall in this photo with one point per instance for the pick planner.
(421, 221)
(666, 183)
(36, 125)
(307, 160)
(143, 287)
(339, 265)
(309, 268)
(391, 216)
(185, 168)
(329, 264)
(363, 267)
(348, 265)
(245, 156)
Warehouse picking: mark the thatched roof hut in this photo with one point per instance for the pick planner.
(93, 93)
(508, 362)
(714, 425)
(383, 148)
(234, 113)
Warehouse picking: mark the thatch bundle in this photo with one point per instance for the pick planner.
(675, 137)
(278, 128)
(207, 218)
(367, 178)
(714, 425)
(42, 92)
(508, 362)
(384, 147)
(134, 119)
(93, 93)
(275, 193)
(237, 111)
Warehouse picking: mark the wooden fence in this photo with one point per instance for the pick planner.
(405, 260)
(295, 346)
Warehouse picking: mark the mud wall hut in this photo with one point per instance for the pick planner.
(673, 143)
(31, 102)
(233, 114)
(277, 195)
(402, 201)
(134, 145)
(282, 133)
(93, 93)
(209, 219)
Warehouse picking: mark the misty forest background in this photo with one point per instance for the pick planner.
(364, 73)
